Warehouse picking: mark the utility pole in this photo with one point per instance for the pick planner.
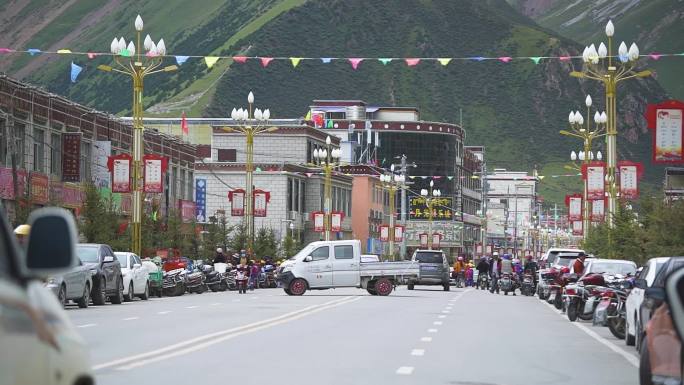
(555, 224)
(485, 191)
(506, 212)
(515, 229)
(403, 171)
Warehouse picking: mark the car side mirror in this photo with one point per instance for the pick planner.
(656, 293)
(137, 265)
(108, 259)
(51, 244)
(308, 258)
(674, 289)
(641, 283)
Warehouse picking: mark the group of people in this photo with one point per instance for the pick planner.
(495, 266)
(247, 272)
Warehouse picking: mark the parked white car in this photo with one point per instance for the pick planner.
(636, 297)
(135, 276)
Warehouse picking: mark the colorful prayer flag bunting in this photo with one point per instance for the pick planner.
(444, 61)
(75, 70)
(210, 60)
(240, 59)
(536, 59)
(385, 61)
(33, 51)
(181, 59)
(63, 51)
(326, 60)
(295, 61)
(412, 62)
(355, 62)
(265, 61)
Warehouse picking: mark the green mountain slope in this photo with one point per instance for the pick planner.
(655, 25)
(515, 109)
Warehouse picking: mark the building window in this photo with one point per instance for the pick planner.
(174, 181)
(227, 154)
(190, 193)
(182, 184)
(20, 141)
(290, 196)
(56, 154)
(85, 161)
(301, 196)
(38, 150)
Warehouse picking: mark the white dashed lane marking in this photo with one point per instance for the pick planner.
(446, 311)
(441, 316)
(164, 312)
(87, 325)
(437, 323)
(418, 352)
(130, 318)
(426, 339)
(405, 370)
(432, 330)
(191, 307)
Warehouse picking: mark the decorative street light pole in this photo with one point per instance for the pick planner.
(129, 61)
(601, 66)
(587, 132)
(430, 198)
(392, 182)
(250, 122)
(328, 159)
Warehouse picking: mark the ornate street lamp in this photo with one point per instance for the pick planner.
(601, 65)
(430, 197)
(392, 182)
(130, 61)
(327, 158)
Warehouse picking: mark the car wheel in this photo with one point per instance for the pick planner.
(99, 294)
(447, 288)
(639, 336)
(384, 287)
(85, 299)
(61, 296)
(298, 286)
(146, 295)
(287, 291)
(629, 338)
(128, 297)
(645, 375)
(410, 286)
(117, 298)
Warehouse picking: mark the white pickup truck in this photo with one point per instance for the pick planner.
(331, 264)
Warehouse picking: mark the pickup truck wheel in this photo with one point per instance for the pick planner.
(287, 291)
(298, 286)
(383, 287)
(410, 286)
(117, 298)
(99, 292)
(84, 301)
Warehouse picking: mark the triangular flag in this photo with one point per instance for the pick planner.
(295, 61)
(184, 124)
(654, 56)
(450, 177)
(330, 124)
(564, 58)
(5, 50)
(63, 51)
(505, 59)
(326, 60)
(412, 62)
(444, 61)
(181, 59)
(535, 59)
(355, 62)
(265, 61)
(308, 174)
(385, 61)
(75, 70)
(210, 60)
(124, 52)
(412, 177)
(33, 51)
(308, 115)
(91, 55)
(240, 59)
(258, 169)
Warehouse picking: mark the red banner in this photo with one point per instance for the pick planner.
(120, 169)
(71, 157)
(237, 200)
(436, 237)
(577, 228)
(594, 174)
(318, 220)
(72, 196)
(384, 233)
(40, 188)
(574, 203)
(598, 210)
(336, 221)
(630, 173)
(399, 233)
(154, 167)
(666, 120)
(7, 183)
(423, 240)
(261, 199)
(187, 210)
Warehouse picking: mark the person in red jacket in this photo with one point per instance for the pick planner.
(578, 265)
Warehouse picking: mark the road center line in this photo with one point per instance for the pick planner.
(204, 341)
(87, 325)
(418, 352)
(441, 316)
(426, 339)
(437, 323)
(432, 330)
(405, 370)
(191, 307)
(164, 312)
(130, 318)
(630, 358)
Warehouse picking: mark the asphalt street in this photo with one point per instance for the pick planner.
(346, 336)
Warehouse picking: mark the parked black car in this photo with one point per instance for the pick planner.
(651, 303)
(434, 269)
(105, 270)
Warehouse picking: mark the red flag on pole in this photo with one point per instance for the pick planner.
(184, 124)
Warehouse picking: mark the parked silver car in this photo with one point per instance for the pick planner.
(74, 285)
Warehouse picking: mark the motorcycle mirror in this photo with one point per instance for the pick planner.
(674, 289)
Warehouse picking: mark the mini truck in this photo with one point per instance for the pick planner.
(331, 264)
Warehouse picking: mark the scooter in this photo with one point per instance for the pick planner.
(527, 287)
(483, 282)
(611, 310)
(506, 283)
(582, 296)
(173, 282)
(195, 282)
(215, 277)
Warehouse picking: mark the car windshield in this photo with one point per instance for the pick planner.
(555, 256)
(122, 257)
(565, 260)
(88, 254)
(428, 257)
(613, 268)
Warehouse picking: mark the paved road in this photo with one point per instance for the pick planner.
(345, 336)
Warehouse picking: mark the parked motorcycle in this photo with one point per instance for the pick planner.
(215, 277)
(557, 289)
(173, 282)
(195, 282)
(582, 296)
(267, 278)
(611, 310)
(527, 286)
